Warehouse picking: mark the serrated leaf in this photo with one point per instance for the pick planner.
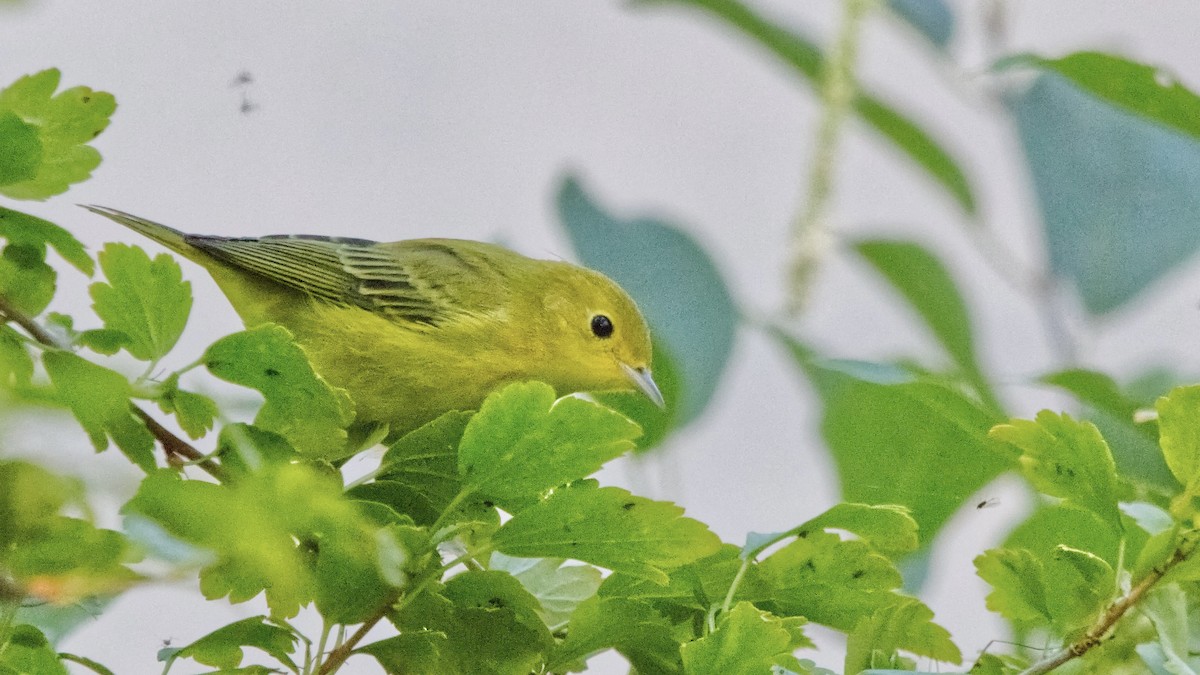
(747, 641)
(146, 300)
(27, 652)
(245, 449)
(523, 442)
(928, 287)
(558, 588)
(20, 149)
(99, 398)
(630, 626)
(1066, 459)
(829, 581)
(916, 443)
(65, 123)
(676, 284)
(24, 229)
(1087, 589)
(888, 528)
(907, 625)
(420, 470)
(1017, 580)
(299, 405)
(803, 56)
(1178, 436)
(495, 589)
(26, 281)
(224, 647)
(608, 527)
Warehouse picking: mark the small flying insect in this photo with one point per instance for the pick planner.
(988, 503)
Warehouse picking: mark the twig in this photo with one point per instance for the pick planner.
(173, 446)
(1110, 617)
(342, 652)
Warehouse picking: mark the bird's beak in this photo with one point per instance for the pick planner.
(641, 378)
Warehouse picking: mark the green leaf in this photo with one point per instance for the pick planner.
(1088, 587)
(194, 412)
(65, 122)
(675, 282)
(245, 450)
(84, 661)
(907, 625)
(558, 588)
(1167, 608)
(608, 527)
(69, 559)
(830, 581)
(1179, 437)
(99, 398)
(300, 405)
(1134, 446)
(145, 299)
(926, 284)
(223, 648)
(919, 444)
(747, 641)
(30, 498)
(806, 60)
(1066, 459)
(16, 363)
(630, 626)
(20, 149)
(932, 19)
(1138, 88)
(1118, 215)
(889, 529)
(523, 442)
(418, 475)
(1018, 586)
(25, 651)
(494, 589)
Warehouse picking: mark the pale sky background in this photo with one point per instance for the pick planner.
(391, 120)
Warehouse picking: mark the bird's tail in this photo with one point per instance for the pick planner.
(169, 237)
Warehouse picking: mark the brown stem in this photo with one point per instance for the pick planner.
(1111, 616)
(342, 652)
(173, 446)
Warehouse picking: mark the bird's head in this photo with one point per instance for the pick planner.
(601, 340)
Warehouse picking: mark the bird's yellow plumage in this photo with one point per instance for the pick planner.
(412, 329)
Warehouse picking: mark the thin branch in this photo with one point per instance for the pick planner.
(1111, 616)
(342, 652)
(173, 446)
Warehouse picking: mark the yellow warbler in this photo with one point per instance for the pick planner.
(412, 329)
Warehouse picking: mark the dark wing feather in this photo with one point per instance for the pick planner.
(419, 281)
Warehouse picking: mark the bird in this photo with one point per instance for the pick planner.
(415, 328)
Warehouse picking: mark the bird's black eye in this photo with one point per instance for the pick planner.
(601, 326)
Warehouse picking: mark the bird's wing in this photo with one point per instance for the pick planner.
(421, 281)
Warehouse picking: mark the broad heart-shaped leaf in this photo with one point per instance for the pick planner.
(747, 641)
(99, 397)
(27, 652)
(65, 123)
(1141, 89)
(675, 282)
(897, 627)
(145, 299)
(224, 647)
(932, 19)
(919, 444)
(25, 230)
(608, 527)
(1134, 446)
(1118, 214)
(1018, 585)
(523, 442)
(926, 284)
(297, 538)
(1066, 459)
(299, 405)
(558, 588)
(632, 627)
(803, 56)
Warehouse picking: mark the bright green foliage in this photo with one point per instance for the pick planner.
(16, 363)
(22, 229)
(64, 123)
(905, 625)
(27, 282)
(747, 641)
(146, 300)
(608, 527)
(1167, 608)
(1180, 439)
(523, 442)
(1018, 590)
(224, 647)
(631, 626)
(928, 287)
(194, 412)
(558, 588)
(299, 405)
(298, 539)
(99, 398)
(27, 652)
(1067, 459)
(888, 529)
